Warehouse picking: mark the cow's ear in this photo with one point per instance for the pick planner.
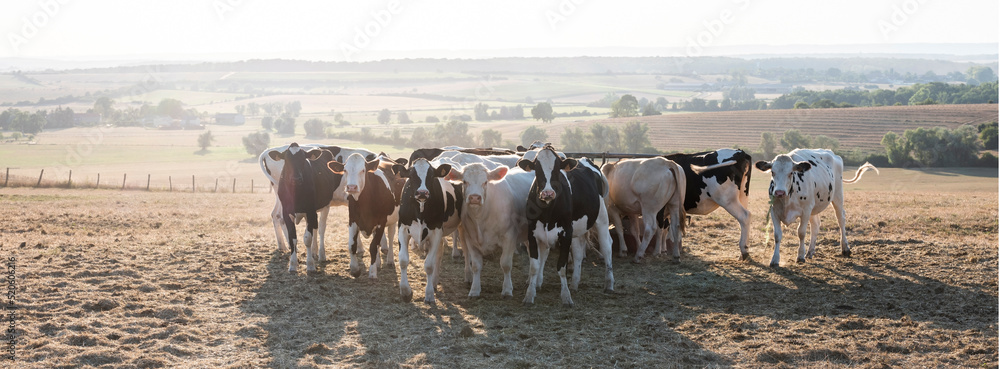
(442, 170)
(569, 164)
(400, 170)
(455, 174)
(521, 148)
(525, 165)
(802, 166)
(315, 154)
(276, 155)
(763, 166)
(401, 161)
(336, 167)
(497, 174)
(371, 165)
(370, 157)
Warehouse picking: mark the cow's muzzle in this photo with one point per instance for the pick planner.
(351, 188)
(547, 195)
(779, 193)
(422, 195)
(475, 200)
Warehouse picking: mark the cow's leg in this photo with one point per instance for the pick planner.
(544, 249)
(649, 229)
(404, 261)
(565, 243)
(803, 226)
(675, 232)
(432, 264)
(324, 213)
(373, 248)
(279, 224)
(293, 261)
(838, 206)
(474, 264)
(776, 224)
(616, 219)
(456, 252)
(742, 215)
(813, 232)
(354, 249)
(390, 234)
(310, 241)
(604, 240)
(464, 236)
(578, 248)
(533, 268)
(506, 264)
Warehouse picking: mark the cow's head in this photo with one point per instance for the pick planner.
(550, 173)
(474, 178)
(782, 169)
(420, 174)
(354, 171)
(296, 168)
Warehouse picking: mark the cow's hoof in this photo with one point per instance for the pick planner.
(774, 264)
(407, 296)
(355, 273)
(676, 260)
(801, 260)
(636, 261)
(846, 253)
(528, 303)
(568, 305)
(429, 300)
(292, 270)
(473, 297)
(609, 291)
(507, 296)
(744, 256)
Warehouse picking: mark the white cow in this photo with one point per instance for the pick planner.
(642, 187)
(493, 217)
(803, 183)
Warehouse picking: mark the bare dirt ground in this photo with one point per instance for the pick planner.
(152, 279)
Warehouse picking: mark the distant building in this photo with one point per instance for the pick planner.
(86, 119)
(230, 119)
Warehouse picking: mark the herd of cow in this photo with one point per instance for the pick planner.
(495, 200)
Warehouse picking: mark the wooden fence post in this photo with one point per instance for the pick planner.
(40, 178)
(124, 176)
(170, 181)
(70, 183)
(234, 185)
(148, 176)
(192, 183)
(6, 177)
(98, 180)
(216, 185)
(251, 185)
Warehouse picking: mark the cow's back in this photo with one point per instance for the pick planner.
(696, 183)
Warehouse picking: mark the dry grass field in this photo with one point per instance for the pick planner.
(153, 279)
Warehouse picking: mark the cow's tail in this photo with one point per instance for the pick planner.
(680, 181)
(697, 169)
(861, 170)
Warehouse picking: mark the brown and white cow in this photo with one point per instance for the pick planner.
(803, 183)
(643, 187)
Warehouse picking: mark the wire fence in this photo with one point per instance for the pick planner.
(22, 178)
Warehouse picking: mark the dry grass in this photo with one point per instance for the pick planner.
(153, 279)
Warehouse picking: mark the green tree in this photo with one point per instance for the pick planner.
(383, 116)
(240, 109)
(636, 137)
(801, 105)
(205, 140)
(315, 128)
(825, 142)
(293, 108)
(627, 106)
(104, 106)
(981, 74)
(895, 149)
(768, 144)
(403, 118)
(267, 123)
(172, 107)
(452, 133)
(650, 109)
(490, 138)
(574, 140)
(481, 111)
(255, 143)
(419, 137)
(542, 111)
(533, 133)
(988, 134)
(794, 139)
(605, 138)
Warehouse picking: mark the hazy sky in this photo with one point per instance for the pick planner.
(356, 30)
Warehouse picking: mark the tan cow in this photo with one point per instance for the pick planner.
(642, 187)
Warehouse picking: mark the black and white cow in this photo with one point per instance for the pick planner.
(566, 201)
(430, 208)
(718, 178)
(270, 167)
(304, 188)
(371, 207)
(803, 183)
